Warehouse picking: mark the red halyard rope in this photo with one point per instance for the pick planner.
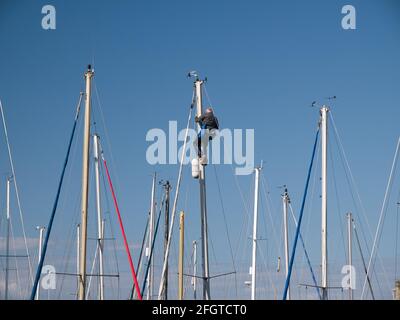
(123, 232)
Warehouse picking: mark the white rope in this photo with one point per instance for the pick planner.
(16, 192)
(92, 270)
(268, 204)
(16, 259)
(160, 291)
(382, 215)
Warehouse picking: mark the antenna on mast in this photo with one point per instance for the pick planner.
(193, 74)
(317, 103)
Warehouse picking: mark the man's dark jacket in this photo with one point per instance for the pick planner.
(209, 121)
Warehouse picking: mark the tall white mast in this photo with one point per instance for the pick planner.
(85, 185)
(194, 278)
(78, 250)
(203, 202)
(41, 230)
(167, 188)
(286, 201)
(8, 238)
(100, 236)
(181, 254)
(254, 253)
(350, 253)
(324, 205)
(150, 240)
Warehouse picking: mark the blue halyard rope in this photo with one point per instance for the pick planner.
(309, 265)
(300, 219)
(308, 260)
(152, 248)
(53, 213)
(140, 256)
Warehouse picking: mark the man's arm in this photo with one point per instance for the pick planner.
(199, 119)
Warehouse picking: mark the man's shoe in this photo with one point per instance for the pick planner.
(203, 160)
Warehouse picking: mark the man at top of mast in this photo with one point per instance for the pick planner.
(208, 126)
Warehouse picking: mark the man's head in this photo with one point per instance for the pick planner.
(209, 110)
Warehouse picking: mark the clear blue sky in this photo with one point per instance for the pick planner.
(266, 61)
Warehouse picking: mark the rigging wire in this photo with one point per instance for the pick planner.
(68, 249)
(49, 227)
(246, 209)
(266, 208)
(350, 179)
(107, 136)
(15, 259)
(245, 228)
(139, 265)
(306, 254)
(363, 260)
(352, 184)
(72, 235)
(1, 238)
(268, 204)
(396, 242)
(99, 107)
(300, 218)
(382, 215)
(264, 269)
(222, 206)
(63, 202)
(166, 255)
(265, 259)
(310, 211)
(16, 192)
(161, 206)
(72, 229)
(113, 237)
(226, 226)
(338, 212)
(66, 258)
(92, 271)
(96, 251)
(121, 225)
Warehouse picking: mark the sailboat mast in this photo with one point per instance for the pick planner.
(203, 202)
(286, 200)
(78, 249)
(167, 187)
(100, 236)
(255, 218)
(324, 205)
(7, 239)
(85, 185)
(350, 253)
(151, 236)
(181, 254)
(41, 230)
(194, 278)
